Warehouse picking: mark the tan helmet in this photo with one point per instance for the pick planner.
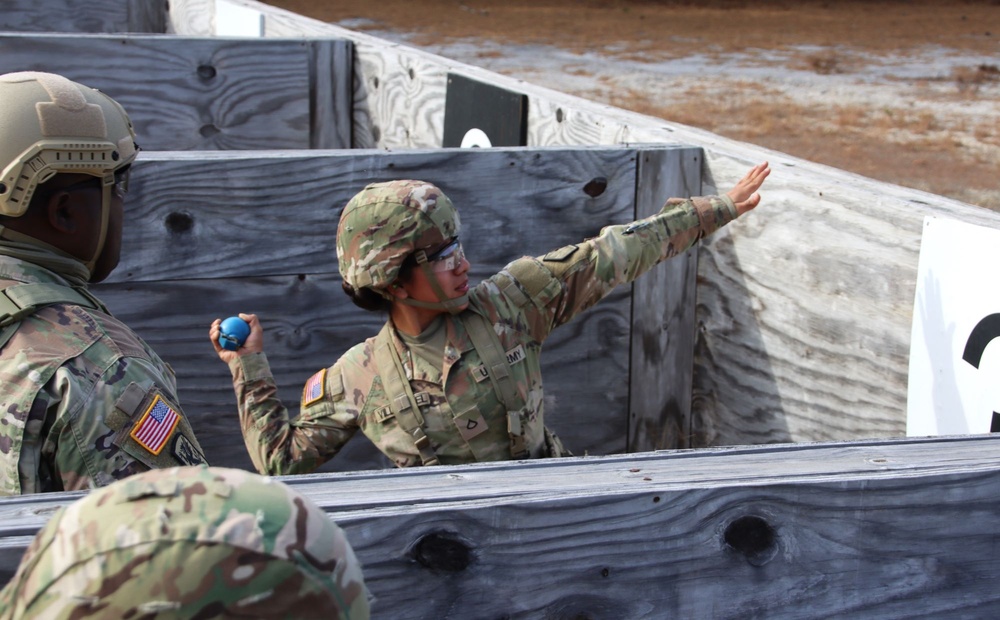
(49, 125)
(387, 222)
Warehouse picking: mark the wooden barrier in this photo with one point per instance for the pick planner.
(90, 16)
(862, 530)
(210, 235)
(186, 93)
(804, 307)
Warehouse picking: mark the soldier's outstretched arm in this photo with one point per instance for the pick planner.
(567, 281)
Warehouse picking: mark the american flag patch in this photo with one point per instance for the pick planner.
(315, 388)
(155, 426)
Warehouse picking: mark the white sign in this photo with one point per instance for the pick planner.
(235, 20)
(954, 383)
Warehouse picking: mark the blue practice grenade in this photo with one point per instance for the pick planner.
(233, 333)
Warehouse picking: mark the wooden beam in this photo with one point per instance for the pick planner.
(92, 16)
(191, 93)
(663, 316)
(866, 529)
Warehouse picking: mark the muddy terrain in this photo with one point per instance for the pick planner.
(904, 92)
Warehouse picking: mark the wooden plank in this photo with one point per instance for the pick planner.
(203, 93)
(209, 235)
(147, 15)
(791, 532)
(331, 65)
(190, 215)
(663, 315)
(92, 16)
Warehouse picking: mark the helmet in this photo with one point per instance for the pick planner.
(385, 223)
(49, 124)
(189, 542)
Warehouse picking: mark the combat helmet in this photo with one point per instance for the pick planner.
(50, 124)
(189, 542)
(383, 224)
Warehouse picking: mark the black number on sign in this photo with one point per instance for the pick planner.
(982, 335)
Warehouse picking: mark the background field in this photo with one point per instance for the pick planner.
(904, 92)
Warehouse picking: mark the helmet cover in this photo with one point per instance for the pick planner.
(186, 542)
(386, 222)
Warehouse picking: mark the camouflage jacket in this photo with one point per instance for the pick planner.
(83, 400)
(463, 416)
(189, 542)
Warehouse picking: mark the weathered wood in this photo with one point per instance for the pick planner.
(198, 214)
(805, 305)
(210, 235)
(91, 16)
(869, 529)
(663, 318)
(206, 93)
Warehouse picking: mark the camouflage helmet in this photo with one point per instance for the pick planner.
(189, 542)
(50, 124)
(386, 222)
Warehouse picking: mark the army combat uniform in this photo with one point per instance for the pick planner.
(482, 401)
(189, 542)
(83, 400)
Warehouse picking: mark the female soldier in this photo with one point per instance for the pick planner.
(454, 375)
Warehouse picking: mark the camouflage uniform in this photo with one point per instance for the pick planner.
(80, 395)
(190, 542)
(462, 415)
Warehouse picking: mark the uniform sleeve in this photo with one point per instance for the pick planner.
(278, 445)
(125, 422)
(567, 281)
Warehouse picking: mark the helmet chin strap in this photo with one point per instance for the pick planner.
(106, 190)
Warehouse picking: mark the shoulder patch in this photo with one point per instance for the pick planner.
(186, 452)
(156, 425)
(321, 385)
(561, 254)
(315, 389)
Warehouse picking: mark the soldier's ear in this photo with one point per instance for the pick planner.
(62, 212)
(397, 291)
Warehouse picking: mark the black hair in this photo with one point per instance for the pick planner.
(367, 299)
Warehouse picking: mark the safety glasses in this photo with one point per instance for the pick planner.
(447, 258)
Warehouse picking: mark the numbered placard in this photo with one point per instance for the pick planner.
(954, 382)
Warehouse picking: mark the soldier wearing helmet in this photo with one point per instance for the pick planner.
(83, 400)
(189, 542)
(454, 376)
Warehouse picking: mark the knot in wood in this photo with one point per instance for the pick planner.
(206, 72)
(179, 222)
(754, 538)
(442, 551)
(595, 187)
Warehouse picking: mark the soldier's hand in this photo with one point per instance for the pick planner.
(254, 342)
(745, 195)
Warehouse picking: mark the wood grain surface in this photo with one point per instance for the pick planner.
(891, 529)
(188, 93)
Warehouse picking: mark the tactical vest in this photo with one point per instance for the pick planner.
(484, 338)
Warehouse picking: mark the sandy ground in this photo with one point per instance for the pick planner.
(904, 92)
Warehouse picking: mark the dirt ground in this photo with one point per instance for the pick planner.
(902, 91)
